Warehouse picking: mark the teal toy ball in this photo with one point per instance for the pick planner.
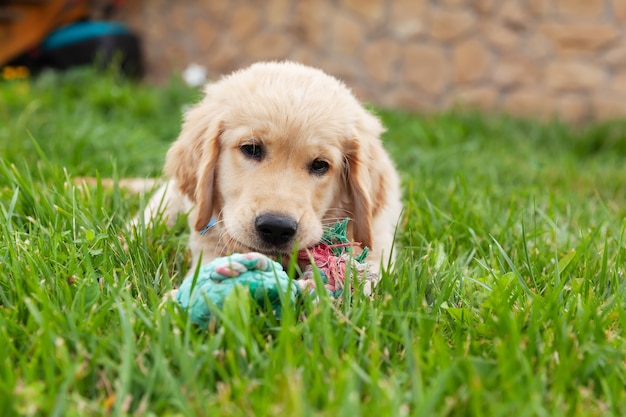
(264, 278)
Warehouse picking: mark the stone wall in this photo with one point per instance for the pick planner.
(565, 58)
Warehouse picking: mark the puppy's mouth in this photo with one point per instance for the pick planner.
(272, 234)
(272, 251)
(283, 254)
(269, 250)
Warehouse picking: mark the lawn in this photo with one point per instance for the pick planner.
(508, 298)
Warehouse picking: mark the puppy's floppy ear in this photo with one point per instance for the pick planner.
(359, 186)
(192, 158)
(364, 177)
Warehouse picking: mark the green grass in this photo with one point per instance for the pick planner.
(508, 297)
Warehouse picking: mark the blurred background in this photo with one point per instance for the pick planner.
(546, 58)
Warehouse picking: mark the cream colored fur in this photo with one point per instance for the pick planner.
(298, 115)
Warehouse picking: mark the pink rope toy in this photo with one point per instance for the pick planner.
(334, 261)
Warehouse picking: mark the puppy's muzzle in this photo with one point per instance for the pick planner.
(275, 229)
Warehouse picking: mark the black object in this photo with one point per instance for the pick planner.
(100, 44)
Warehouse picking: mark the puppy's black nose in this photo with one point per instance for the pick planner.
(275, 229)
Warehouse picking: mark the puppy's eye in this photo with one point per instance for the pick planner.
(319, 167)
(252, 151)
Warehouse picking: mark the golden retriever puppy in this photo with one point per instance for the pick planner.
(271, 155)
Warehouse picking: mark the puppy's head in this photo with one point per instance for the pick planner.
(275, 152)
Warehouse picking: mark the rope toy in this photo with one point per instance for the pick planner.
(334, 260)
(266, 279)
